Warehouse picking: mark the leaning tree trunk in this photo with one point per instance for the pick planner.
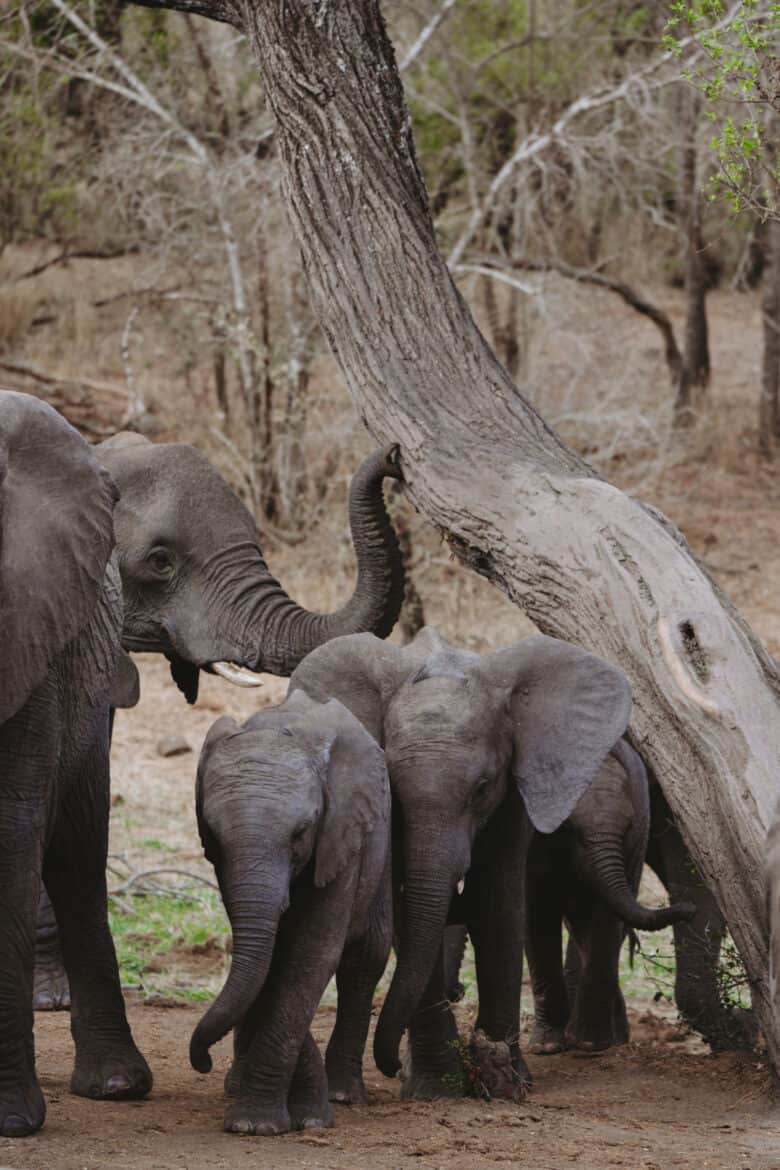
(586, 562)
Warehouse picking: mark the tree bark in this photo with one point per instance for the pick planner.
(694, 372)
(586, 562)
(768, 414)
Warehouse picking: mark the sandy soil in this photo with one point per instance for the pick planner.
(647, 1105)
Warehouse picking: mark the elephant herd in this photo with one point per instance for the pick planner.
(400, 796)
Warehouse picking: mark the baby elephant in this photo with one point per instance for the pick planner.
(294, 813)
(588, 872)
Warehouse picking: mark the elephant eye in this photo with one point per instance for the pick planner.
(482, 791)
(160, 560)
(299, 834)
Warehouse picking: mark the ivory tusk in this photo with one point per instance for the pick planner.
(238, 675)
(679, 671)
(461, 885)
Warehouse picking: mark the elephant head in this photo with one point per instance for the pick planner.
(56, 536)
(607, 840)
(458, 729)
(298, 785)
(196, 586)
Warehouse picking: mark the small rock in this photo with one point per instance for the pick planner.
(173, 745)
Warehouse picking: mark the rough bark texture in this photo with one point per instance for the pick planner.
(586, 562)
(768, 414)
(694, 372)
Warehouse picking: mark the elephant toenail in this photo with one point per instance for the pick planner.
(117, 1084)
(15, 1126)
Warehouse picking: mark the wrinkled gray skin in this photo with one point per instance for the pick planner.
(197, 589)
(60, 621)
(472, 745)
(587, 875)
(294, 813)
(196, 586)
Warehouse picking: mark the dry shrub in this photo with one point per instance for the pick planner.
(18, 307)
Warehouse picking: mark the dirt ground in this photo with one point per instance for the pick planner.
(647, 1105)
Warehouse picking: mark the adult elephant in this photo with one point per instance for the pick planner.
(472, 744)
(60, 623)
(197, 589)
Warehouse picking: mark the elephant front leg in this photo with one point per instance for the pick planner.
(281, 1077)
(496, 922)
(357, 976)
(544, 923)
(51, 990)
(598, 1018)
(22, 1108)
(108, 1064)
(433, 1066)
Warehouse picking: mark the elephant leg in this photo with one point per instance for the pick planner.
(108, 1064)
(543, 946)
(273, 1093)
(697, 990)
(28, 753)
(358, 973)
(307, 1100)
(496, 925)
(598, 1017)
(51, 990)
(433, 1066)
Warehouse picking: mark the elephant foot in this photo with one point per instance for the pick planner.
(496, 1072)
(250, 1119)
(546, 1039)
(591, 1039)
(310, 1115)
(347, 1091)
(51, 990)
(22, 1110)
(111, 1076)
(345, 1084)
(443, 1078)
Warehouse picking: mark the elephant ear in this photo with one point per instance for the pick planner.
(568, 708)
(56, 536)
(357, 795)
(360, 670)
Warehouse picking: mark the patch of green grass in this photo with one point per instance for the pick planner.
(155, 933)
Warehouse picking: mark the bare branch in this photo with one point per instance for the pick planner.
(425, 35)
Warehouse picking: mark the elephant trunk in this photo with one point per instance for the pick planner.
(427, 894)
(254, 910)
(607, 873)
(284, 633)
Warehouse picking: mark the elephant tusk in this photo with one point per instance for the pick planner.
(460, 886)
(238, 675)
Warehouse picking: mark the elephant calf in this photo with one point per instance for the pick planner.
(294, 813)
(588, 873)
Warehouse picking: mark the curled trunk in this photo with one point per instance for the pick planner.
(607, 873)
(284, 633)
(254, 915)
